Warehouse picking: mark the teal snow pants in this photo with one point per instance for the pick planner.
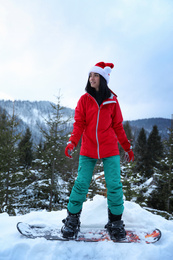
(113, 184)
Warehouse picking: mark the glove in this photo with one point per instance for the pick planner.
(69, 149)
(129, 156)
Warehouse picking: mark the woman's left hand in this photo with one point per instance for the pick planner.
(129, 156)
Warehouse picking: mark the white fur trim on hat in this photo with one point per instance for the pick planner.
(103, 69)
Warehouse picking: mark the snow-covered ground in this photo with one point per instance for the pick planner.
(15, 247)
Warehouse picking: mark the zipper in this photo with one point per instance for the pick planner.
(98, 153)
(98, 115)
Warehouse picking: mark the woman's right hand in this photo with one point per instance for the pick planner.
(69, 149)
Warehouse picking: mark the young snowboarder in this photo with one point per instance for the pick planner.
(98, 120)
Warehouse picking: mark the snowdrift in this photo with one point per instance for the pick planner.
(15, 247)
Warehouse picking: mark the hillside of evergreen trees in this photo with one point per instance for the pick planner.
(37, 175)
(34, 114)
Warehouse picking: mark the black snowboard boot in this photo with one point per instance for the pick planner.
(115, 227)
(71, 225)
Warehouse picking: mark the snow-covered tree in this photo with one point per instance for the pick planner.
(52, 158)
(162, 196)
(8, 160)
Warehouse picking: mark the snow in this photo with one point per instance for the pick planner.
(13, 246)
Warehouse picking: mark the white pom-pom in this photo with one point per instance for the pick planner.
(107, 70)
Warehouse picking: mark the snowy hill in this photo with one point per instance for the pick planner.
(33, 115)
(163, 125)
(15, 247)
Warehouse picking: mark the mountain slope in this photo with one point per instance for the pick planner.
(34, 114)
(162, 123)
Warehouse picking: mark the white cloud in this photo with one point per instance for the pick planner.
(16, 24)
(135, 18)
(21, 67)
(5, 96)
(47, 46)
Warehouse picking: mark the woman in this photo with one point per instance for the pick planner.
(98, 120)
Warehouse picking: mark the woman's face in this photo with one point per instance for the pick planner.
(94, 79)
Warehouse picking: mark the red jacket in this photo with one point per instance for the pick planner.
(101, 127)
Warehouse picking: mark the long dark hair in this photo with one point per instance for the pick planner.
(103, 93)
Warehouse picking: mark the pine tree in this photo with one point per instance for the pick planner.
(161, 197)
(140, 152)
(154, 151)
(52, 159)
(169, 144)
(24, 193)
(128, 131)
(130, 181)
(8, 160)
(25, 149)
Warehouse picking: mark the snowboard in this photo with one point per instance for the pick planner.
(86, 235)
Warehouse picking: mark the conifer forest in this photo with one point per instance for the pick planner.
(39, 176)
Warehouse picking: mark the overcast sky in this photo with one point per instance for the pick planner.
(47, 46)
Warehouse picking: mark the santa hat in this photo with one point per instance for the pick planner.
(103, 69)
